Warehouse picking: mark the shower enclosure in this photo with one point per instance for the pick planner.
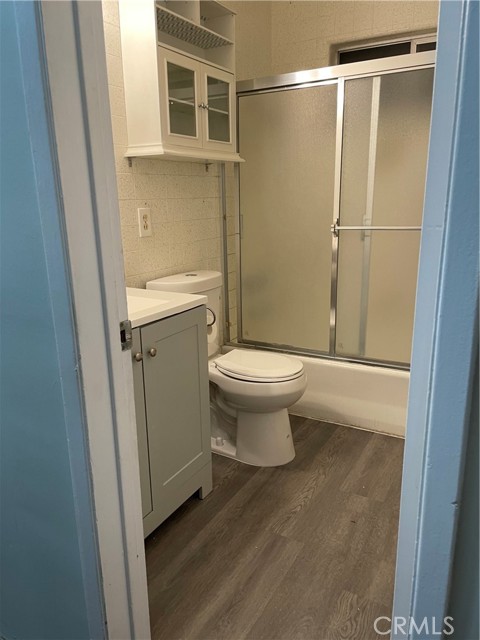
(330, 208)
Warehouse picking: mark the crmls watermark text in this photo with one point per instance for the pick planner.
(384, 626)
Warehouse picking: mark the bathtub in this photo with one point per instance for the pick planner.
(357, 395)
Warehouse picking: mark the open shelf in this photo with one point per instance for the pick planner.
(185, 30)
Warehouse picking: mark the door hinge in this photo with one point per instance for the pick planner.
(126, 334)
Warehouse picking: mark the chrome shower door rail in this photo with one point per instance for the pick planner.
(336, 214)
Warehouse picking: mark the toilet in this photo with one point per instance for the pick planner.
(250, 390)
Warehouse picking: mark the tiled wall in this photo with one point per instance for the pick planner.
(184, 197)
(282, 36)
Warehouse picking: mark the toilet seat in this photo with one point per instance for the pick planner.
(255, 366)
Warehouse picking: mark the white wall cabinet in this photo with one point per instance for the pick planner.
(179, 79)
(198, 104)
(170, 371)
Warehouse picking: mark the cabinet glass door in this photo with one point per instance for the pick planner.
(181, 100)
(182, 108)
(179, 77)
(218, 91)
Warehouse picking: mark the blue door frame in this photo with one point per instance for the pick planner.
(445, 335)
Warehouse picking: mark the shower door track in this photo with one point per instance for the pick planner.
(337, 74)
(324, 355)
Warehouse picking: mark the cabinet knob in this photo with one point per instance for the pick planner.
(153, 352)
(138, 356)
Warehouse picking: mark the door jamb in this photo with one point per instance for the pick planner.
(74, 66)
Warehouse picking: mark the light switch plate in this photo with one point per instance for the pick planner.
(144, 222)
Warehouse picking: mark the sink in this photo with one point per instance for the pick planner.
(145, 306)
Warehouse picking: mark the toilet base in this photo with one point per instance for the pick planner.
(226, 449)
(263, 439)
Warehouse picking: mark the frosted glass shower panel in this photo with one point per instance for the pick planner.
(355, 150)
(383, 289)
(384, 159)
(385, 145)
(286, 202)
(402, 147)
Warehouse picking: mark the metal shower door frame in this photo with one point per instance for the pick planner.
(338, 74)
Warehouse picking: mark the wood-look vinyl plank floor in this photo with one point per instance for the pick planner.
(300, 552)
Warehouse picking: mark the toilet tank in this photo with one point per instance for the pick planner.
(206, 283)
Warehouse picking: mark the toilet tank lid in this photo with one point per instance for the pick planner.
(188, 282)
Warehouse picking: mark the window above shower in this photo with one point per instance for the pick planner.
(382, 48)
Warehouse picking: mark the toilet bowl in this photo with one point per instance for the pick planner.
(253, 399)
(250, 391)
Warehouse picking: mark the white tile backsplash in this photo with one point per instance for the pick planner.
(110, 12)
(114, 70)
(117, 100)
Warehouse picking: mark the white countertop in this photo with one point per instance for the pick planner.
(145, 306)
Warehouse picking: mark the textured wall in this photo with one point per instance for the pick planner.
(183, 197)
(282, 36)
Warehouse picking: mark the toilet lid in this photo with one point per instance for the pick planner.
(258, 366)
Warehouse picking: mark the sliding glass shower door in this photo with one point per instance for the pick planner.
(386, 124)
(286, 202)
(352, 152)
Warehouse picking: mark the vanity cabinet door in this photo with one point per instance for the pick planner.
(175, 369)
(142, 438)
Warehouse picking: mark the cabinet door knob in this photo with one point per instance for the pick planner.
(138, 356)
(153, 352)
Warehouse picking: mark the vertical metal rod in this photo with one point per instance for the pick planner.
(367, 221)
(336, 214)
(223, 213)
(238, 238)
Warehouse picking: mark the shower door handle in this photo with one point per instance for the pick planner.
(336, 227)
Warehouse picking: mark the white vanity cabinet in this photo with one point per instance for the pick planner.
(170, 370)
(179, 78)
